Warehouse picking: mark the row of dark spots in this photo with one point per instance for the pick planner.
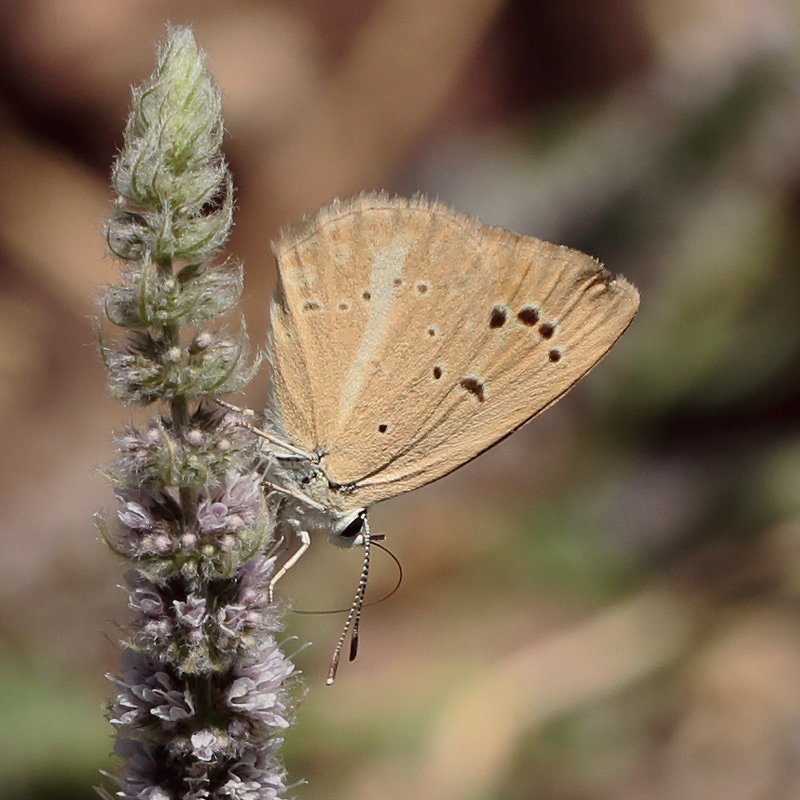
(310, 306)
(530, 316)
(422, 288)
(366, 295)
(527, 315)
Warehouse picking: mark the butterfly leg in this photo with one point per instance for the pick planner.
(305, 543)
(273, 487)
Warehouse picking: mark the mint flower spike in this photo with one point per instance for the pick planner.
(204, 692)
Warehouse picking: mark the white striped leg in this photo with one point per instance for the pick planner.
(305, 543)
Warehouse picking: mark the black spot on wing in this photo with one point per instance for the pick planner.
(498, 317)
(474, 386)
(528, 315)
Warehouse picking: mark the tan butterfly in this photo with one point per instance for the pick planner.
(407, 338)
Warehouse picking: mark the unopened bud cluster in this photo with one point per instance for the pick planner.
(202, 689)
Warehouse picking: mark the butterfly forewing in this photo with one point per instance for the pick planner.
(407, 338)
(367, 300)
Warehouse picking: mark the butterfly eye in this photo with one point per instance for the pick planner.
(353, 529)
(354, 533)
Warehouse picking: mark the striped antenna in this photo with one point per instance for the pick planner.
(353, 616)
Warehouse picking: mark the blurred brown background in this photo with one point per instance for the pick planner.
(605, 606)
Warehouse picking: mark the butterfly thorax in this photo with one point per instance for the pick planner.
(314, 504)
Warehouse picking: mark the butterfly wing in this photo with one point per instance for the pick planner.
(407, 338)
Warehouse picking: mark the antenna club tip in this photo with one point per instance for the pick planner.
(329, 681)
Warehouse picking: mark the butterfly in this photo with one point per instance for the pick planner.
(406, 338)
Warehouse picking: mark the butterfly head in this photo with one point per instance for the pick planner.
(350, 529)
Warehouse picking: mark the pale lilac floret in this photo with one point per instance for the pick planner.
(231, 619)
(192, 613)
(255, 575)
(171, 705)
(127, 708)
(139, 781)
(243, 492)
(236, 507)
(258, 691)
(256, 777)
(130, 706)
(159, 631)
(136, 516)
(204, 745)
(144, 597)
(213, 516)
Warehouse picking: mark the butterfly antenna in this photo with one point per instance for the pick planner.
(353, 617)
(399, 570)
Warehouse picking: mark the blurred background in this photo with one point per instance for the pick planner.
(606, 606)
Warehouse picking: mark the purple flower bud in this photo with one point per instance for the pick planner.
(195, 437)
(195, 637)
(228, 543)
(189, 541)
(158, 630)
